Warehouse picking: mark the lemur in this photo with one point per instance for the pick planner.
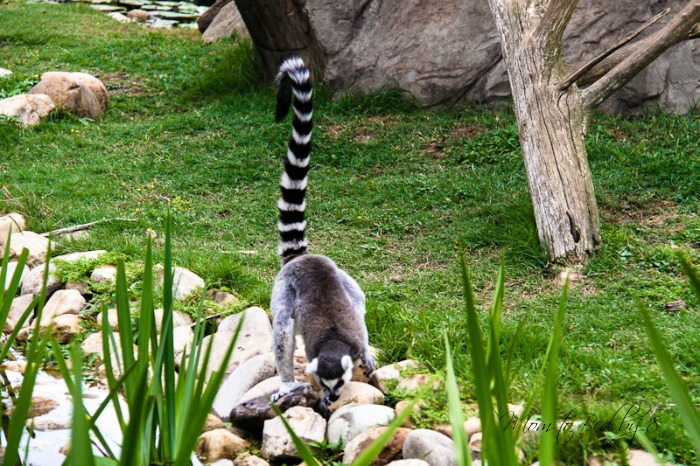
(311, 294)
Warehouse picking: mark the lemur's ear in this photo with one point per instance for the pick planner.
(346, 362)
(312, 367)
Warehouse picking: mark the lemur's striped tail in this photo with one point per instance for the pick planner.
(293, 79)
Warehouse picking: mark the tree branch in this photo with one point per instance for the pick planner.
(606, 53)
(679, 28)
(554, 21)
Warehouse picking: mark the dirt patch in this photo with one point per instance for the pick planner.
(123, 84)
(467, 131)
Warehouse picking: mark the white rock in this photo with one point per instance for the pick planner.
(416, 381)
(185, 282)
(11, 222)
(433, 447)
(392, 372)
(11, 267)
(17, 308)
(84, 255)
(246, 459)
(36, 244)
(182, 340)
(28, 109)
(70, 92)
(219, 444)
(4, 72)
(240, 381)
(277, 444)
(66, 326)
(179, 319)
(62, 302)
(112, 318)
(33, 281)
(350, 420)
(392, 450)
(413, 462)
(80, 287)
(119, 17)
(254, 339)
(357, 392)
(266, 388)
(104, 274)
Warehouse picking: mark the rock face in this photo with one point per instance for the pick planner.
(445, 51)
(433, 447)
(78, 93)
(277, 444)
(226, 22)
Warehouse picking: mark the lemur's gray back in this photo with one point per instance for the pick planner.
(294, 80)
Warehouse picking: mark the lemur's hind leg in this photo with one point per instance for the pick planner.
(283, 326)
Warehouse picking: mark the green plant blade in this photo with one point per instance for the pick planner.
(679, 392)
(459, 435)
(548, 439)
(81, 448)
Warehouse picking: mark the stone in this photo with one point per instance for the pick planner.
(16, 366)
(265, 388)
(81, 287)
(472, 426)
(93, 344)
(62, 302)
(213, 422)
(96, 86)
(17, 309)
(391, 372)
(223, 298)
(246, 376)
(251, 413)
(392, 450)
(36, 244)
(206, 18)
(11, 268)
(4, 72)
(226, 23)
(246, 459)
(184, 282)
(641, 458)
(13, 222)
(41, 405)
(401, 406)
(475, 443)
(218, 444)
(254, 339)
(34, 280)
(413, 462)
(350, 420)
(119, 17)
(179, 319)
(277, 444)
(112, 318)
(28, 109)
(433, 447)
(357, 392)
(70, 93)
(65, 327)
(82, 255)
(183, 336)
(139, 16)
(416, 381)
(104, 274)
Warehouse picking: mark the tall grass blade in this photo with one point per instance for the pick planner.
(548, 439)
(459, 435)
(368, 456)
(80, 446)
(679, 392)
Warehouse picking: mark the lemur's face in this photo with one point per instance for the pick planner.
(332, 386)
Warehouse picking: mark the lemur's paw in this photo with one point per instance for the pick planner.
(286, 388)
(368, 363)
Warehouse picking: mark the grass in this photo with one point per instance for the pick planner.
(392, 189)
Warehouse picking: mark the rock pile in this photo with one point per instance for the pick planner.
(80, 94)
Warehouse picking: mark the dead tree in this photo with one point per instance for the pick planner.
(552, 106)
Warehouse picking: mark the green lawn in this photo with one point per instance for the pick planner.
(393, 189)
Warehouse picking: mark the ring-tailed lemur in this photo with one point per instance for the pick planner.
(311, 294)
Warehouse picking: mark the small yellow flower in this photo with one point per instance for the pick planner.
(137, 210)
(360, 217)
(138, 189)
(152, 187)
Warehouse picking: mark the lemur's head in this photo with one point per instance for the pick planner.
(332, 370)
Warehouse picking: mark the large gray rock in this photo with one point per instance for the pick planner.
(353, 419)
(445, 51)
(277, 444)
(227, 22)
(433, 447)
(246, 376)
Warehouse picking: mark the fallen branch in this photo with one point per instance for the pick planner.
(85, 226)
(606, 53)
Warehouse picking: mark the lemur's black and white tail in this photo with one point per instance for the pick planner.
(293, 80)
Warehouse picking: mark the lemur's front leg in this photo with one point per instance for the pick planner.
(283, 341)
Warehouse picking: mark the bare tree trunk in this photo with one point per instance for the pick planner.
(280, 29)
(552, 112)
